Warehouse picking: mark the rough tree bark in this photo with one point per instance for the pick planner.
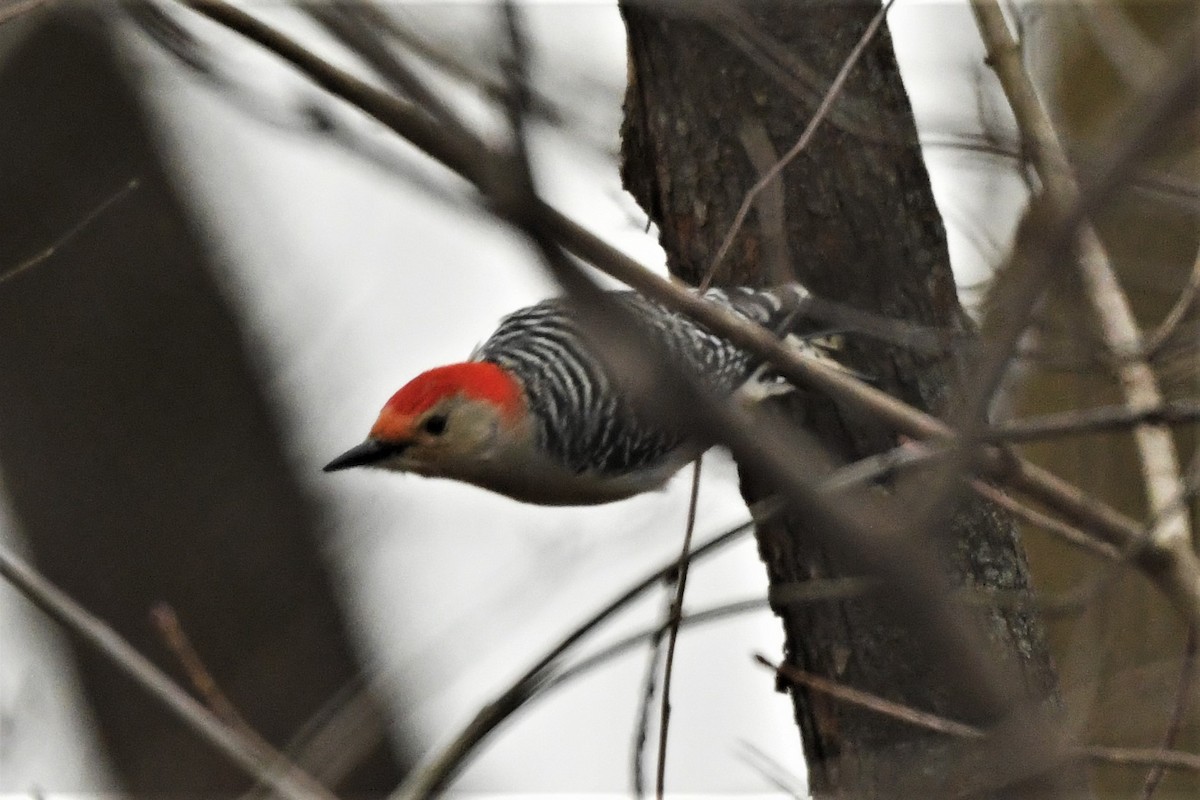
(858, 224)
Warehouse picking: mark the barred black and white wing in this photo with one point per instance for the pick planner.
(583, 421)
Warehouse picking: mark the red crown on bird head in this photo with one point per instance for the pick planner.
(478, 380)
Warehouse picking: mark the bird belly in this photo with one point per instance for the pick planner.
(550, 485)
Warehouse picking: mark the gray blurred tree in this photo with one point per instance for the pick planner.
(141, 457)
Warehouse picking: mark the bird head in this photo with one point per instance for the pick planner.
(443, 422)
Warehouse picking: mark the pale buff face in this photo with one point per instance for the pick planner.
(455, 436)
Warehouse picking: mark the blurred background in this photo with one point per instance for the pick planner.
(212, 275)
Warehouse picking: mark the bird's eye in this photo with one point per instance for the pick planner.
(435, 425)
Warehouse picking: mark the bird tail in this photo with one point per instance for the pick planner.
(777, 309)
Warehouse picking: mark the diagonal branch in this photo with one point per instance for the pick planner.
(772, 174)
(252, 754)
(352, 25)
(1170, 324)
(1168, 759)
(48, 252)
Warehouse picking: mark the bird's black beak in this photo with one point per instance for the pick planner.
(369, 452)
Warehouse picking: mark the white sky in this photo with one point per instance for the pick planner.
(349, 281)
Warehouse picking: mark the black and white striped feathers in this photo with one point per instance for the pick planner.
(581, 418)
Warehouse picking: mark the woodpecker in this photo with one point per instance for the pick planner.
(535, 415)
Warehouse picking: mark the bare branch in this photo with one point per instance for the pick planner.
(1171, 532)
(1068, 533)
(772, 174)
(848, 694)
(818, 590)
(48, 252)
(1165, 186)
(1187, 674)
(649, 686)
(1141, 757)
(676, 614)
(436, 773)
(1167, 759)
(351, 25)
(773, 772)
(1183, 306)
(177, 641)
(1094, 420)
(771, 211)
(459, 155)
(449, 64)
(257, 758)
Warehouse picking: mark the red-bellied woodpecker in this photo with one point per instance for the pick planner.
(535, 415)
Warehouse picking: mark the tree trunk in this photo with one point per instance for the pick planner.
(855, 220)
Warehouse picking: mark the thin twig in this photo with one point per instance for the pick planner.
(1155, 341)
(177, 641)
(673, 630)
(1174, 189)
(447, 63)
(880, 466)
(773, 772)
(337, 737)
(912, 453)
(642, 728)
(1068, 533)
(259, 761)
(49, 251)
(433, 776)
(1094, 420)
(1127, 756)
(1141, 757)
(1187, 675)
(460, 155)
(169, 628)
(879, 705)
(351, 23)
(772, 174)
(801, 80)
(814, 591)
